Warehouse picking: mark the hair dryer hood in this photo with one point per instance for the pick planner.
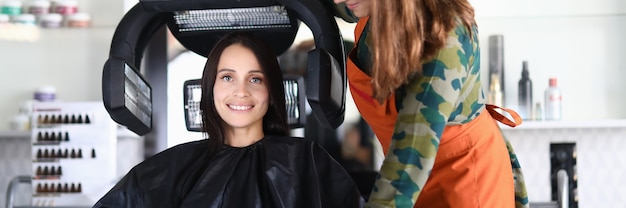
(127, 95)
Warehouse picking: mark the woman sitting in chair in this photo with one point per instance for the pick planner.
(248, 159)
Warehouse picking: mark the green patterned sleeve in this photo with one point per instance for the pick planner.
(521, 196)
(427, 104)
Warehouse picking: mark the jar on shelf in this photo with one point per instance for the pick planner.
(78, 20)
(45, 94)
(4, 19)
(65, 7)
(25, 19)
(11, 7)
(39, 7)
(52, 20)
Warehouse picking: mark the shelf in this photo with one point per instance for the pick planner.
(54, 207)
(15, 135)
(122, 132)
(530, 8)
(46, 143)
(47, 160)
(614, 123)
(40, 177)
(549, 16)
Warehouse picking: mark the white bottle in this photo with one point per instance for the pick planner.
(21, 122)
(553, 101)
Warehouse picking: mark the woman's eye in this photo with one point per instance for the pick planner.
(227, 78)
(256, 80)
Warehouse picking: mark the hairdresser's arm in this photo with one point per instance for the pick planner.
(427, 104)
(340, 10)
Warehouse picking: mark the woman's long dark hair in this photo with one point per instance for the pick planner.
(275, 119)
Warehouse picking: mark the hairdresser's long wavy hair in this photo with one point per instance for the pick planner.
(275, 119)
(406, 33)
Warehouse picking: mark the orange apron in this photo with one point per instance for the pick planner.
(472, 167)
(383, 116)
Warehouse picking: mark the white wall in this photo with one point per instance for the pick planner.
(579, 42)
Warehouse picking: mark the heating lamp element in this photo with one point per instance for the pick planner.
(137, 96)
(233, 18)
(294, 102)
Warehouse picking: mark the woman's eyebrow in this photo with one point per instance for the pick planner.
(225, 69)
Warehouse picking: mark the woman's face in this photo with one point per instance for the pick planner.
(360, 8)
(240, 94)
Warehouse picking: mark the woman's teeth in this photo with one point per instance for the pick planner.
(240, 107)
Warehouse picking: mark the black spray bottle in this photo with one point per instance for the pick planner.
(525, 93)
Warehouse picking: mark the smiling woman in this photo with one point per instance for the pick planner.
(241, 96)
(240, 72)
(248, 159)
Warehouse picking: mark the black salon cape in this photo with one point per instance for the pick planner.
(274, 172)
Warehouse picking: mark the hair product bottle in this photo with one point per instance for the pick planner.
(494, 96)
(496, 62)
(525, 93)
(553, 101)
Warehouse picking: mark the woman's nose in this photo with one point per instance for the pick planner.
(241, 90)
(339, 1)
